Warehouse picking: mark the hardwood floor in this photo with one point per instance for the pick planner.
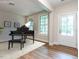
(54, 52)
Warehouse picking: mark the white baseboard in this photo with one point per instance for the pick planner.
(44, 40)
(70, 44)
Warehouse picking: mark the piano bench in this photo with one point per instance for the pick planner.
(10, 42)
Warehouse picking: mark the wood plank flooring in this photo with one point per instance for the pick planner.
(52, 52)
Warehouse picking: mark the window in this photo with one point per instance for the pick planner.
(66, 25)
(31, 24)
(44, 24)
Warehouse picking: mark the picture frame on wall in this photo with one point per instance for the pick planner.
(7, 23)
(16, 24)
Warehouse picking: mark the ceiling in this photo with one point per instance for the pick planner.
(55, 3)
(22, 7)
(27, 7)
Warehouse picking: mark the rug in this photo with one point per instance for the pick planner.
(15, 52)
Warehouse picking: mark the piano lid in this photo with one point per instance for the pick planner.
(28, 24)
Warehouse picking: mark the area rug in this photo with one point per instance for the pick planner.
(15, 52)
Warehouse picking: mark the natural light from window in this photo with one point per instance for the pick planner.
(44, 24)
(66, 25)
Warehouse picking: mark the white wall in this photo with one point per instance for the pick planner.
(68, 8)
(6, 16)
(51, 28)
(36, 19)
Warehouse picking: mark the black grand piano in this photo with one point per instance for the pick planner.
(22, 31)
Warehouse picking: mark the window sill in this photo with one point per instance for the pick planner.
(43, 34)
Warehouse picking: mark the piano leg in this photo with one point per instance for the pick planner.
(25, 37)
(9, 45)
(12, 45)
(12, 42)
(21, 45)
(33, 38)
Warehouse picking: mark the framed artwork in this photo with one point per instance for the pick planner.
(16, 24)
(7, 23)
